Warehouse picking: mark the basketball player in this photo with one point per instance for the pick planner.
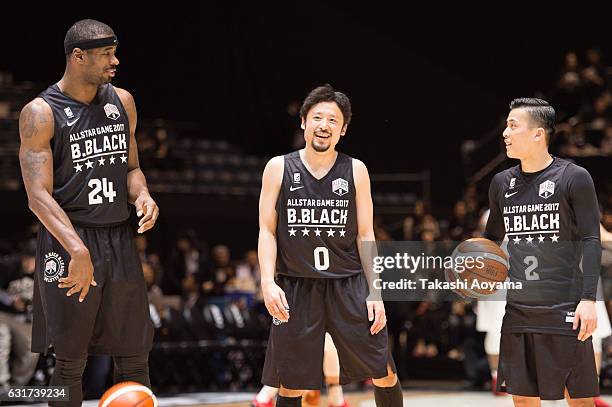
(315, 211)
(79, 163)
(548, 208)
(331, 371)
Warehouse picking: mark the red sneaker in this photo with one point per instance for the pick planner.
(494, 388)
(600, 403)
(256, 403)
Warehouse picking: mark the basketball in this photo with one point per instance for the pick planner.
(478, 278)
(126, 394)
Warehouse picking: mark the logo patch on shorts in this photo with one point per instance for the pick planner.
(54, 267)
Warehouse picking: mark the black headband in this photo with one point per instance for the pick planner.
(89, 44)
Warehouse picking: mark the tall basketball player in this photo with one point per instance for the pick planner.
(315, 210)
(79, 163)
(548, 208)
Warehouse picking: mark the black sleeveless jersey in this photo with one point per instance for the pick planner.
(317, 221)
(538, 212)
(90, 148)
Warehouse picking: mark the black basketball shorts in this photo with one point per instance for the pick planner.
(114, 317)
(294, 357)
(543, 365)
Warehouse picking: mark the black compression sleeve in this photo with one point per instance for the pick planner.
(495, 223)
(584, 202)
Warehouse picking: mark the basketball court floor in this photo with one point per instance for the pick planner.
(360, 399)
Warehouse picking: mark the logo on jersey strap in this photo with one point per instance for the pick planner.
(54, 267)
(111, 111)
(340, 186)
(296, 178)
(547, 189)
(512, 183)
(69, 113)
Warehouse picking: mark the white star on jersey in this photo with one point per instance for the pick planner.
(112, 159)
(541, 238)
(330, 232)
(292, 232)
(101, 161)
(305, 232)
(342, 233)
(529, 239)
(516, 240)
(89, 164)
(123, 158)
(317, 232)
(554, 238)
(78, 167)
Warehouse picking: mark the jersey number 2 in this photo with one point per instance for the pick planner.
(532, 264)
(321, 258)
(103, 186)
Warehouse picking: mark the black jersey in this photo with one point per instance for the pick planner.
(317, 221)
(90, 148)
(551, 218)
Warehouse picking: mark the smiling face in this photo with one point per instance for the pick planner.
(522, 136)
(323, 126)
(98, 65)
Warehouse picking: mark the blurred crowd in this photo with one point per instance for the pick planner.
(583, 101)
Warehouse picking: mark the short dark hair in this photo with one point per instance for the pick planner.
(87, 29)
(540, 111)
(327, 93)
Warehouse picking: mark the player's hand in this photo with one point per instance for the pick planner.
(147, 208)
(275, 300)
(586, 318)
(80, 275)
(376, 313)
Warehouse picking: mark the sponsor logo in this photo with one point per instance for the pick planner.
(70, 123)
(292, 188)
(547, 189)
(69, 113)
(508, 195)
(111, 111)
(512, 183)
(53, 267)
(340, 186)
(569, 317)
(296, 178)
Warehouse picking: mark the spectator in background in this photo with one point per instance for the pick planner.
(569, 94)
(410, 222)
(186, 260)
(247, 274)
(16, 292)
(222, 272)
(461, 223)
(146, 256)
(594, 75)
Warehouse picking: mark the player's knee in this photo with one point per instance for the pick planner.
(520, 401)
(586, 402)
(290, 392)
(387, 381)
(69, 370)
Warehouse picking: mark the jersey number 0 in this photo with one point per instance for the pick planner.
(321, 258)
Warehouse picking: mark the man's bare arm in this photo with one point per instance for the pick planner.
(36, 160)
(366, 241)
(138, 193)
(274, 297)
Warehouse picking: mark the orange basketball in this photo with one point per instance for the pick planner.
(128, 394)
(482, 276)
